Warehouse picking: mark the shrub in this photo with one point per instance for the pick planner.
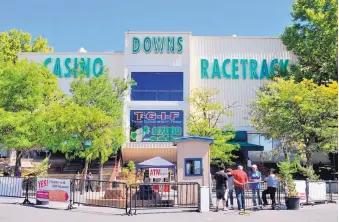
(39, 169)
(125, 172)
(131, 166)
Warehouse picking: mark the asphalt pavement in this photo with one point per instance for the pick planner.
(12, 211)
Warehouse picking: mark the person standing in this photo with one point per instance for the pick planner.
(240, 180)
(221, 187)
(89, 179)
(255, 178)
(272, 185)
(230, 182)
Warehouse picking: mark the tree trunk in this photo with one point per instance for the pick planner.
(308, 157)
(100, 176)
(18, 157)
(86, 168)
(100, 171)
(84, 178)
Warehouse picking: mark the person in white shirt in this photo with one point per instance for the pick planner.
(272, 185)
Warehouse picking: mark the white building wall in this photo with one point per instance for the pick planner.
(114, 62)
(157, 62)
(240, 91)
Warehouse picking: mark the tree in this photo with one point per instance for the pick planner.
(302, 114)
(108, 95)
(93, 116)
(80, 131)
(24, 89)
(15, 41)
(204, 121)
(313, 38)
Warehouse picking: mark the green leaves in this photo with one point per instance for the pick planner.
(204, 121)
(313, 37)
(24, 89)
(302, 115)
(94, 113)
(15, 41)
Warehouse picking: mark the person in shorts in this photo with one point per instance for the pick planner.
(221, 187)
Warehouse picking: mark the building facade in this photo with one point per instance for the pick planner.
(167, 67)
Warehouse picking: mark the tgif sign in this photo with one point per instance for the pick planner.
(151, 115)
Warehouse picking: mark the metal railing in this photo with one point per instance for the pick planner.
(258, 194)
(18, 187)
(332, 191)
(100, 193)
(113, 194)
(164, 195)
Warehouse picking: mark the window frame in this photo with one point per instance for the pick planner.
(159, 93)
(193, 159)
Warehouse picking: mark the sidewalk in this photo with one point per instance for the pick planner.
(11, 210)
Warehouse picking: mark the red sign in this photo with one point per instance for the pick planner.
(158, 172)
(42, 183)
(42, 195)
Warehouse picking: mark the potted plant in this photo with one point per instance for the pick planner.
(287, 169)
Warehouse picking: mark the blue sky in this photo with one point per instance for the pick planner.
(100, 25)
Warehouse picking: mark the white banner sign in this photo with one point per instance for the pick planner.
(158, 172)
(10, 186)
(49, 189)
(300, 188)
(317, 191)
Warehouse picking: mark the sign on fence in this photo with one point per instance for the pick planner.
(317, 191)
(10, 186)
(158, 172)
(49, 189)
(300, 188)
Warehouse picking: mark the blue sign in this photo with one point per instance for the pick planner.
(156, 125)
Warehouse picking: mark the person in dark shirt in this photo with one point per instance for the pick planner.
(221, 187)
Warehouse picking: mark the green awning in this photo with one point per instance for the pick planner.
(245, 146)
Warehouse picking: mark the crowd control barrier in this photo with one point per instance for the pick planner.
(18, 187)
(141, 196)
(100, 193)
(320, 191)
(255, 193)
(164, 195)
(113, 194)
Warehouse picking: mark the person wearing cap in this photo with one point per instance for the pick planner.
(272, 185)
(240, 180)
(221, 187)
(254, 178)
(230, 182)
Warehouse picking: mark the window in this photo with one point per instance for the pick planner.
(193, 167)
(157, 86)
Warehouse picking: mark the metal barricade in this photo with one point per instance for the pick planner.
(18, 187)
(332, 191)
(257, 195)
(100, 193)
(164, 195)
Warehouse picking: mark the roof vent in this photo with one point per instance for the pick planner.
(82, 50)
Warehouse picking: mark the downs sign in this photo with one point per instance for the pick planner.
(158, 173)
